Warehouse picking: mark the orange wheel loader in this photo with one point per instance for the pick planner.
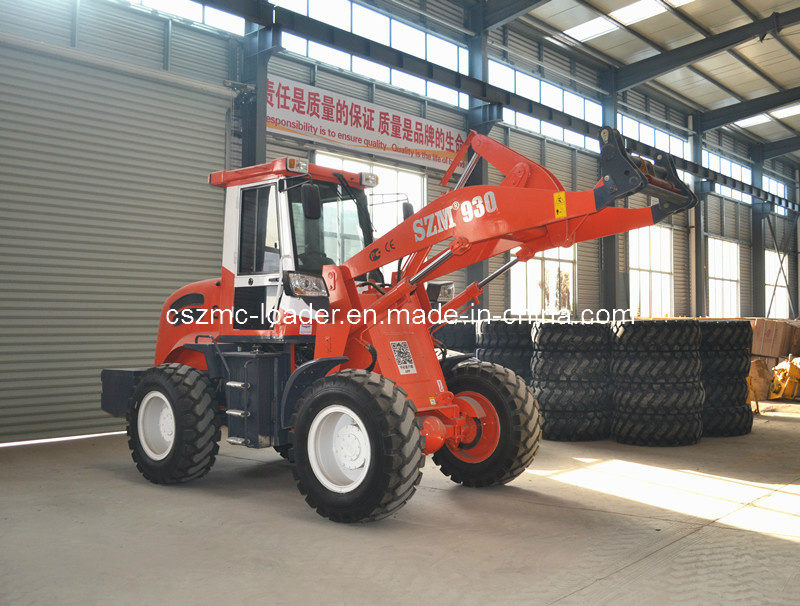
(302, 344)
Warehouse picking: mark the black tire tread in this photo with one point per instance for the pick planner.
(526, 428)
(656, 367)
(576, 426)
(514, 359)
(657, 429)
(570, 397)
(590, 366)
(403, 457)
(656, 335)
(199, 423)
(726, 392)
(718, 335)
(726, 363)
(648, 398)
(554, 336)
(507, 335)
(727, 421)
(457, 336)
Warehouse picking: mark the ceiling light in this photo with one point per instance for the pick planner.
(792, 110)
(638, 11)
(759, 119)
(591, 29)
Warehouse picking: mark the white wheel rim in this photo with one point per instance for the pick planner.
(156, 424)
(339, 449)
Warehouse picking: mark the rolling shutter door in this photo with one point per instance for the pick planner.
(105, 211)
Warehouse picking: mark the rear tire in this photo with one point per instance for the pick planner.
(173, 424)
(357, 447)
(508, 427)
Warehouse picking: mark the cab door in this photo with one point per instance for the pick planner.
(258, 277)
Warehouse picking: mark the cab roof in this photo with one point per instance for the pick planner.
(277, 169)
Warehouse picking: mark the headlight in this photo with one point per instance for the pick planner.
(306, 285)
(369, 180)
(296, 165)
(440, 292)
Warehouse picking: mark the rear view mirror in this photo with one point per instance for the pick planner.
(312, 205)
(408, 210)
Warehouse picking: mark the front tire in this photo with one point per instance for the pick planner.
(173, 426)
(507, 427)
(357, 447)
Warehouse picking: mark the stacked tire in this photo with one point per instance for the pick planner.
(457, 336)
(507, 344)
(658, 393)
(725, 353)
(570, 379)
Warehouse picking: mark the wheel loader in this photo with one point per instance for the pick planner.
(318, 340)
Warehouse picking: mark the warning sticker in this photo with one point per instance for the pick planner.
(560, 204)
(402, 356)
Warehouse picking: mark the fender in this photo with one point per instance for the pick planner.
(301, 378)
(450, 363)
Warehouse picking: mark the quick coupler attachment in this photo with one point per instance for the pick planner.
(619, 175)
(623, 175)
(664, 184)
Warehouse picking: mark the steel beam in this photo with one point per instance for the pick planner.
(652, 67)
(501, 12)
(765, 151)
(715, 118)
(475, 87)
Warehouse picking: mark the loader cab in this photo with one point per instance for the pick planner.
(270, 233)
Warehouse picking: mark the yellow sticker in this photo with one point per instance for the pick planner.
(560, 204)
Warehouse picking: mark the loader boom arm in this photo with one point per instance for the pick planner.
(528, 209)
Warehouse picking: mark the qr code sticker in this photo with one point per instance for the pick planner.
(402, 356)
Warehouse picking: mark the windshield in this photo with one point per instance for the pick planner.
(343, 229)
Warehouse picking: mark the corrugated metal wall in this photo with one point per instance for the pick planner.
(105, 207)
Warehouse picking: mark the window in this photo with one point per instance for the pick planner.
(334, 237)
(650, 261)
(545, 285)
(180, 8)
(442, 52)
(259, 245)
(332, 12)
(776, 188)
(723, 278)
(370, 24)
(408, 39)
(729, 168)
(385, 201)
(501, 75)
(776, 273)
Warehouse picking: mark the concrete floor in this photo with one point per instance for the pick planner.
(588, 523)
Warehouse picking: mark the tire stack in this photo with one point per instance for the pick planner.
(658, 393)
(725, 353)
(571, 380)
(457, 336)
(507, 344)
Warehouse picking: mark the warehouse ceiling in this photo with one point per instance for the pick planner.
(701, 58)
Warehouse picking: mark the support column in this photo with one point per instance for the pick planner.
(758, 240)
(613, 289)
(699, 244)
(259, 44)
(480, 120)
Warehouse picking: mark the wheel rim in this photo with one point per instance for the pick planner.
(339, 449)
(482, 433)
(156, 425)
